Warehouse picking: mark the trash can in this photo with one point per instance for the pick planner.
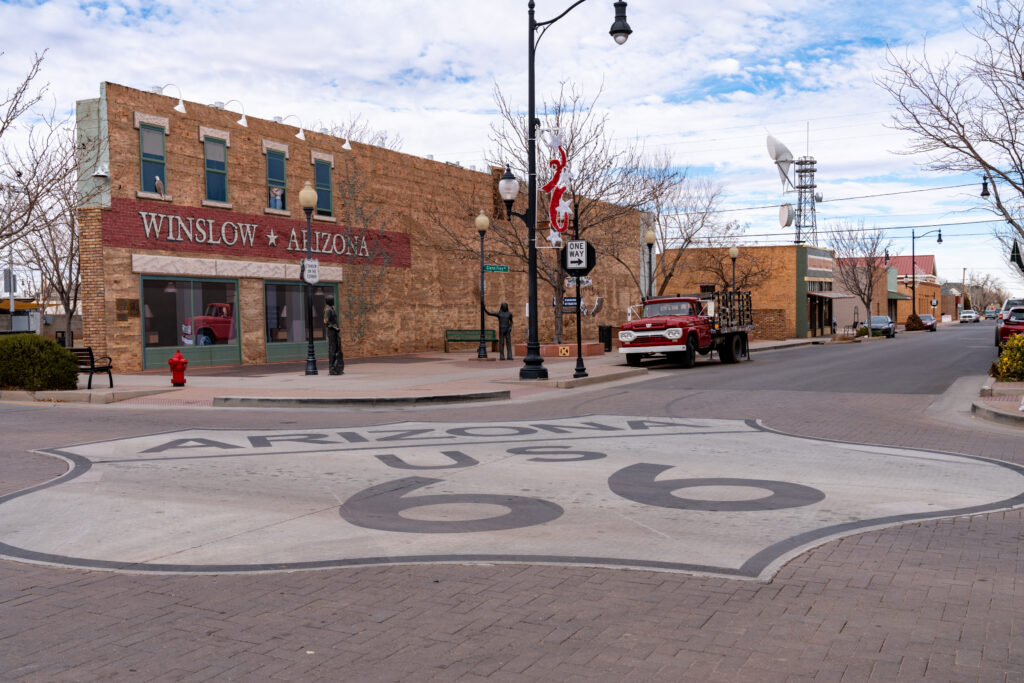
(604, 336)
(60, 339)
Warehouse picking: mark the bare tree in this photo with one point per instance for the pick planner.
(18, 182)
(609, 184)
(710, 263)
(964, 111)
(985, 290)
(859, 259)
(357, 129)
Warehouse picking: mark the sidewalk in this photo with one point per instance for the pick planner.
(422, 378)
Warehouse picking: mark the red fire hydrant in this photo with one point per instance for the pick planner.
(177, 363)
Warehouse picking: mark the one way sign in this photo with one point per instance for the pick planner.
(578, 257)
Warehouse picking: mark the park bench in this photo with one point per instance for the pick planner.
(470, 336)
(92, 365)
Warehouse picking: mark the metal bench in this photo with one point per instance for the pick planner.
(92, 365)
(470, 336)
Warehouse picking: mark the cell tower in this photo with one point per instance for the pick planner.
(802, 182)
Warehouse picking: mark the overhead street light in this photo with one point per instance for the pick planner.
(482, 222)
(307, 200)
(913, 265)
(508, 187)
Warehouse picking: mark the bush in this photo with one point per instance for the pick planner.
(1010, 366)
(862, 331)
(34, 363)
(914, 323)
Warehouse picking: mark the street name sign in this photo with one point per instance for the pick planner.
(492, 268)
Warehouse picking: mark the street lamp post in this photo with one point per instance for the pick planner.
(649, 239)
(581, 369)
(307, 200)
(482, 223)
(913, 265)
(733, 253)
(508, 187)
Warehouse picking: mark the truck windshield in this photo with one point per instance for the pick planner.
(667, 308)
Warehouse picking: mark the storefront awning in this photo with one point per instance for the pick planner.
(831, 295)
(895, 296)
(19, 305)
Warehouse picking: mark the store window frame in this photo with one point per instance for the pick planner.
(155, 356)
(296, 349)
(220, 172)
(277, 182)
(152, 159)
(322, 181)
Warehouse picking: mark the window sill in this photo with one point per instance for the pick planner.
(277, 212)
(217, 205)
(325, 219)
(154, 195)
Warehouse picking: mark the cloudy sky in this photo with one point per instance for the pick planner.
(705, 81)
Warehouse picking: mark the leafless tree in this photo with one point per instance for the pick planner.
(710, 262)
(964, 111)
(859, 258)
(985, 291)
(18, 183)
(357, 129)
(51, 247)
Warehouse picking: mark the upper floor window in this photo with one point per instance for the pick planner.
(322, 180)
(215, 152)
(276, 198)
(154, 160)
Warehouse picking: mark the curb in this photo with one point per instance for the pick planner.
(608, 377)
(295, 402)
(81, 395)
(988, 413)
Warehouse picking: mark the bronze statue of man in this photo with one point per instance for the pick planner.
(334, 355)
(504, 317)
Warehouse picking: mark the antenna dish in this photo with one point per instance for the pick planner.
(782, 157)
(786, 215)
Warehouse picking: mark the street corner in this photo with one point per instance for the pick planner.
(721, 497)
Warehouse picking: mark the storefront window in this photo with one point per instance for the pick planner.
(189, 312)
(286, 311)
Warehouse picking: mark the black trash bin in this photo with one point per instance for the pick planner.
(60, 339)
(604, 336)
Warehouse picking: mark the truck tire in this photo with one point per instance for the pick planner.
(731, 349)
(688, 357)
(633, 360)
(204, 339)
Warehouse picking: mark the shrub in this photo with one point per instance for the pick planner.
(914, 322)
(862, 331)
(1010, 366)
(34, 363)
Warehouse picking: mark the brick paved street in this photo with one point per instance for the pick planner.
(931, 601)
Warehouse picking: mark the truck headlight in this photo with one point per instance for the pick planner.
(627, 336)
(673, 333)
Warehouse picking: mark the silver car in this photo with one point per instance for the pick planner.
(883, 324)
(969, 316)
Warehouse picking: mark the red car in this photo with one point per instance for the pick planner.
(1012, 324)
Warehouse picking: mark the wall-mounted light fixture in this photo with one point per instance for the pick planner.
(159, 90)
(222, 105)
(282, 119)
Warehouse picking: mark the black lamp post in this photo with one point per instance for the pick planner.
(649, 239)
(508, 187)
(307, 200)
(482, 223)
(581, 369)
(733, 254)
(913, 265)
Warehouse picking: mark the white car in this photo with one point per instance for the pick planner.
(969, 316)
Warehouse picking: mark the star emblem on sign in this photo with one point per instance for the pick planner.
(564, 209)
(271, 238)
(554, 238)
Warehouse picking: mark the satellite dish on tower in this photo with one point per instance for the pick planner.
(786, 215)
(782, 157)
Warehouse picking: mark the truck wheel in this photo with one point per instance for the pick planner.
(688, 357)
(731, 350)
(633, 360)
(204, 339)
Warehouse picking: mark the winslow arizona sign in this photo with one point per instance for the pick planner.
(154, 226)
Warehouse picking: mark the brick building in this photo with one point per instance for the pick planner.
(795, 297)
(191, 236)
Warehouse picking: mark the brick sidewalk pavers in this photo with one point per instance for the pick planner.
(932, 601)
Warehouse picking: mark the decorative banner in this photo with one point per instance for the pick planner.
(559, 209)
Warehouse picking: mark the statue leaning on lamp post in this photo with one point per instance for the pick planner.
(335, 357)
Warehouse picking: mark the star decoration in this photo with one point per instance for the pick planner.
(564, 209)
(554, 238)
(271, 238)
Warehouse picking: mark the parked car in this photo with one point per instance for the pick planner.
(969, 316)
(1004, 312)
(883, 324)
(991, 313)
(929, 321)
(1014, 324)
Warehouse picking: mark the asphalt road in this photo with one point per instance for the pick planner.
(927, 600)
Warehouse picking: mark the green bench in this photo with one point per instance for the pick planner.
(470, 336)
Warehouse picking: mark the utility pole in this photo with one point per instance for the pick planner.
(963, 293)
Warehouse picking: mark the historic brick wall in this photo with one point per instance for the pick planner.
(397, 303)
(770, 323)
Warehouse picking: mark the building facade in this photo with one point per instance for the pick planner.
(191, 237)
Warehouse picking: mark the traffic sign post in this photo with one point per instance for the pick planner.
(311, 271)
(578, 257)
